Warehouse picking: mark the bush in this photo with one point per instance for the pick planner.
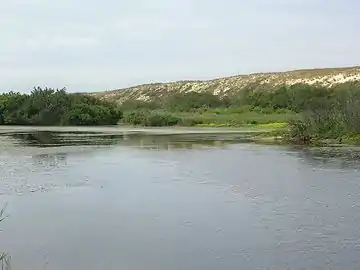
(148, 118)
(252, 122)
(282, 111)
(191, 122)
(159, 120)
(300, 131)
(330, 118)
(55, 107)
(136, 117)
(193, 100)
(131, 105)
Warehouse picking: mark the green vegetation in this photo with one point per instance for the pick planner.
(5, 259)
(149, 118)
(201, 109)
(307, 113)
(55, 107)
(303, 113)
(334, 117)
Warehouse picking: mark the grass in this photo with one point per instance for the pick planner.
(267, 122)
(5, 259)
(233, 118)
(351, 139)
(274, 125)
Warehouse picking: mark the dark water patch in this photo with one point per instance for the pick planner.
(139, 139)
(57, 139)
(184, 141)
(329, 157)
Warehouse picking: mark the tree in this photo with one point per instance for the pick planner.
(47, 106)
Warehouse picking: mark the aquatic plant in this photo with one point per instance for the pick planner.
(5, 259)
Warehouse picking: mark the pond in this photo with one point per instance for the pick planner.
(140, 199)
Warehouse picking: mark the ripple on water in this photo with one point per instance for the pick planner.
(180, 206)
(36, 173)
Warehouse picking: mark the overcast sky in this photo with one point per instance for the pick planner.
(91, 45)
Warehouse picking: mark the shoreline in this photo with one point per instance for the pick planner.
(256, 134)
(133, 129)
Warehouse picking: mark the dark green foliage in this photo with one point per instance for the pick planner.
(193, 100)
(294, 98)
(158, 120)
(135, 117)
(329, 117)
(191, 122)
(55, 107)
(148, 118)
(85, 114)
(160, 114)
(300, 131)
(182, 102)
(131, 105)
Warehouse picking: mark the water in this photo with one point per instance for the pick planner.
(194, 201)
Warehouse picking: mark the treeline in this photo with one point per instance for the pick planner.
(46, 106)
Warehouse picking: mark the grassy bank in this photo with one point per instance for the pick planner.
(304, 114)
(212, 117)
(310, 114)
(233, 117)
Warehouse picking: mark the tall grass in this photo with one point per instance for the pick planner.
(5, 259)
(335, 117)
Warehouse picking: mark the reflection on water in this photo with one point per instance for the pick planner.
(340, 157)
(319, 156)
(187, 202)
(58, 139)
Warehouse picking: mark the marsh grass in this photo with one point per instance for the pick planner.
(5, 258)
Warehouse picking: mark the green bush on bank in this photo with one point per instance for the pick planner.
(149, 118)
(56, 107)
(336, 116)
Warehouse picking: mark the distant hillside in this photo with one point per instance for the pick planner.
(231, 85)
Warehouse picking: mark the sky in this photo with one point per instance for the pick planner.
(92, 45)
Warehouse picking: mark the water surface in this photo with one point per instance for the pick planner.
(133, 200)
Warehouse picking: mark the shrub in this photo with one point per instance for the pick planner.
(148, 118)
(159, 120)
(252, 122)
(193, 100)
(136, 117)
(191, 122)
(300, 131)
(55, 107)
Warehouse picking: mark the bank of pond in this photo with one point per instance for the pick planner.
(304, 114)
